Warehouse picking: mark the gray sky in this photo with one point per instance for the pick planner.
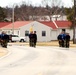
(4, 3)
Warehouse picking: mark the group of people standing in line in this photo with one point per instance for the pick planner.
(4, 38)
(64, 39)
(32, 39)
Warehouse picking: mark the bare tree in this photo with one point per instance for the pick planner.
(26, 10)
(52, 7)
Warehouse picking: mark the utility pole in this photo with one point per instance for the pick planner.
(13, 20)
(74, 29)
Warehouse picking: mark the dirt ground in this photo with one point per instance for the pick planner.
(3, 51)
(54, 43)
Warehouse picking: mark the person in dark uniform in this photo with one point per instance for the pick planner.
(35, 38)
(31, 39)
(67, 40)
(2, 35)
(0, 39)
(63, 37)
(5, 39)
(60, 40)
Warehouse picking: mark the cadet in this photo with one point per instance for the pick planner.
(5, 39)
(35, 38)
(67, 40)
(60, 40)
(31, 39)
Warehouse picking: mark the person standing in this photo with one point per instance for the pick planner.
(60, 40)
(63, 38)
(5, 39)
(67, 40)
(35, 38)
(31, 39)
(2, 38)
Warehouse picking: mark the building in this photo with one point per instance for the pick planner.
(3, 24)
(46, 30)
(57, 27)
(47, 18)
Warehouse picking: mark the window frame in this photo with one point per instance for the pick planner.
(43, 33)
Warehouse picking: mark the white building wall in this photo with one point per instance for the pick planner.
(38, 27)
(59, 18)
(54, 34)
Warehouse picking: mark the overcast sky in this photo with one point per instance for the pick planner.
(4, 3)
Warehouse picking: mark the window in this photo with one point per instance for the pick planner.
(26, 33)
(14, 35)
(43, 33)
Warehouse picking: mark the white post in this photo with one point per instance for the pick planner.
(13, 20)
